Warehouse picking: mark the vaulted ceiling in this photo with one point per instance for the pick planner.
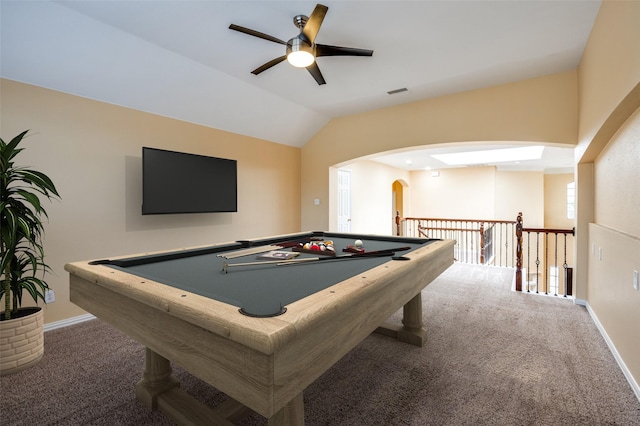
(180, 59)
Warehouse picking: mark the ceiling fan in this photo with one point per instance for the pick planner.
(302, 50)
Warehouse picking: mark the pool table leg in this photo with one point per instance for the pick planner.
(159, 390)
(291, 414)
(412, 330)
(156, 379)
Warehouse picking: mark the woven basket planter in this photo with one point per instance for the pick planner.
(21, 341)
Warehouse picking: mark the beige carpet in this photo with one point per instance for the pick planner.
(493, 357)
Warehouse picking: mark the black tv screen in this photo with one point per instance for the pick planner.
(177, 182)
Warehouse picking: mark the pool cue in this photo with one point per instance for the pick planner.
(376, 253)
(249, 251)
(226, 265)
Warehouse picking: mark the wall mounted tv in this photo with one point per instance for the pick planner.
(177, 182)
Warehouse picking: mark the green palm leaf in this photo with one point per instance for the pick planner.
(22, 265)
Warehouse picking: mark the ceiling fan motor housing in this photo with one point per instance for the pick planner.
(300, 43)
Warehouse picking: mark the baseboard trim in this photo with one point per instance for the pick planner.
(614, 351)
(67, 322)
(580, 302)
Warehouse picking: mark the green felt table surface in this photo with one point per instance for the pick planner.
(266, 289)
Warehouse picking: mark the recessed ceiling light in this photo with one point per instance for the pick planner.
(491, 156)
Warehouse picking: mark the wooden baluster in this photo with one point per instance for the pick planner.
(537, 261)
(528, 260)
(546, 263)
(506, 247)
(557, 278)
(482, 256)
(519, 252)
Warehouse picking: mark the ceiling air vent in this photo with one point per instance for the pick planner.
(393, 92)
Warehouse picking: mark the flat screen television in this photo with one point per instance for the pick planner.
(177, 182)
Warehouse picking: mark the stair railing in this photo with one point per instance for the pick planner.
(542, 270)
(540, 256)
(486, 242)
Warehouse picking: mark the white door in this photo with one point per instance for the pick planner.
(344, 201)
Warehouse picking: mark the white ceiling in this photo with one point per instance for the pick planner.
(179, 58)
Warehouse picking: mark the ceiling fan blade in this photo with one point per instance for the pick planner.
(269, 64)
(311, 28)
(256, 33)
(315, 72)
(325, 50)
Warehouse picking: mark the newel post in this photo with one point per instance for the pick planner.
(519, 252)
(398, 223)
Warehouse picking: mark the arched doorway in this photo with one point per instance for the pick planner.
(397, 204)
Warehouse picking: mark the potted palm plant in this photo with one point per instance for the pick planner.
(22, 265)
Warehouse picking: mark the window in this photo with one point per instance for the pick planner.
(571, 200)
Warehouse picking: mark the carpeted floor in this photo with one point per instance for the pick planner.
(493, 357)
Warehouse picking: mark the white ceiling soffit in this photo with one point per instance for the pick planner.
(179, 58)
(554, 159)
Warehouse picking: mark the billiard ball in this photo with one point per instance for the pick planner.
(358, 243)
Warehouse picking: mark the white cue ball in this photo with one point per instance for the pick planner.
(358, 243)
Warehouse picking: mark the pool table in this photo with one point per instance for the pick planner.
(258, 328)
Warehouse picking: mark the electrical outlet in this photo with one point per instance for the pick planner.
(49, 296)
(636, 285)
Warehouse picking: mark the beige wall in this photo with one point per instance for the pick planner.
(92, 151)
(457, 193)
(608, 74)
(463, 193)
(555, 201)
(607, 176)
(612, 298)
(617, 180)
(521, 192)
(614, 241)
(541, 110)
(371, 196)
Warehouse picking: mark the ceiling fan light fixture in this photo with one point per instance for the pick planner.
(302, 50)
(299, 53)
